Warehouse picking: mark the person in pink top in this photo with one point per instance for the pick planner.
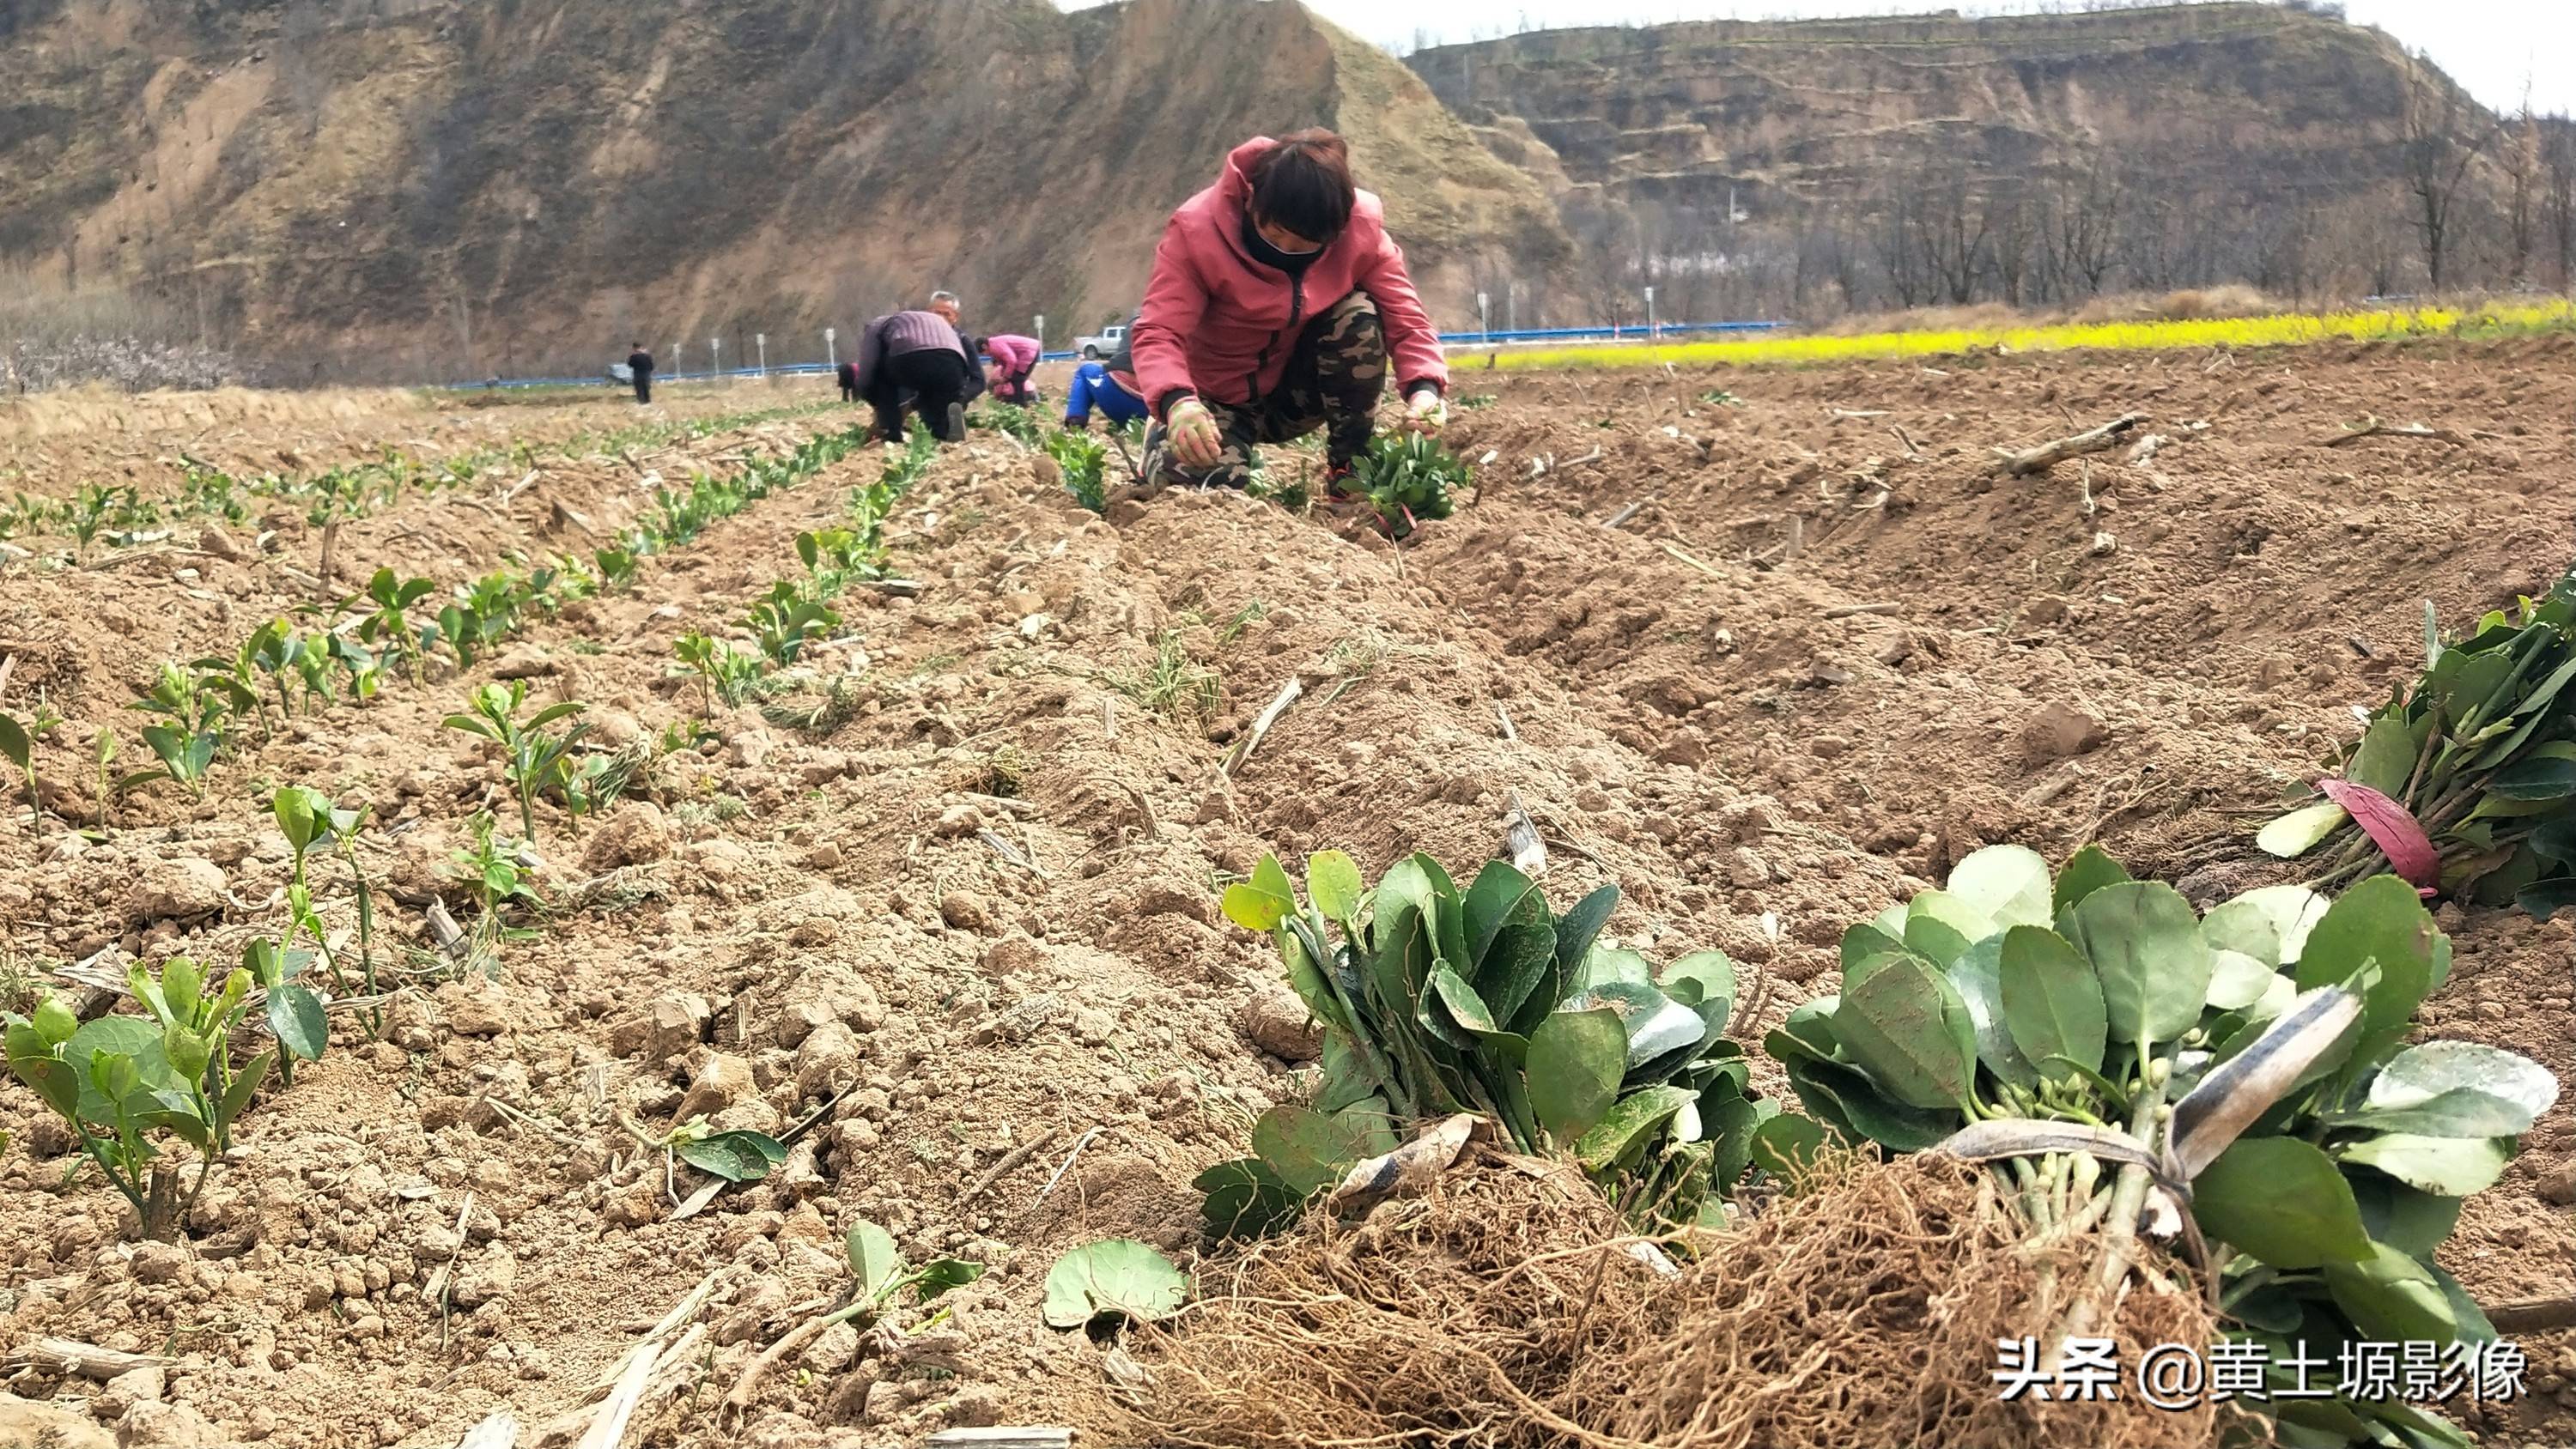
(1278, 306)
(1014, 358)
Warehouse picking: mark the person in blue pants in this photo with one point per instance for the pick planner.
(1095, 386)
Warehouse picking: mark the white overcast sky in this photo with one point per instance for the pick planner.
(2491, 46)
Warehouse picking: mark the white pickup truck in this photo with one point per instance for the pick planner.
(1093, 349)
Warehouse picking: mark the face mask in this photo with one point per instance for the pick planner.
(1272, 256)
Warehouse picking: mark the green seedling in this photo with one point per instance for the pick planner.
(306, 816)
(276, 650)
(782, 621)
(390, 626)
(88, 513)
(121, 1081)
(1436, 999)
(497, 877)
(1083, 462)
(832, 557)
(195, 710)
(1177, 686)
(723, 672)
(364, 670)
(2100, 1043)
(616, 569)
(292, 1009)
(532, 760)
(878, 1278)
(103, 749)
(1407, 478)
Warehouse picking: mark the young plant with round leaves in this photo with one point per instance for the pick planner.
(497, 874)
(1082, 463)
(782, 620)
(2113, 1054)
(124, 1083)
(1436, 1000)
(195, 709)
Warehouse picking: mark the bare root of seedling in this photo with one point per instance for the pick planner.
(1863, 1309)
(1457, 1318)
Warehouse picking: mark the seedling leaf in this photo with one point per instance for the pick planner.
(1262, 902)
(734, 1156)
(2144, 942)
(1118, 1276)
(1576, 1059)
(874, 1259)
(2052, 1001)
(2282, 1200)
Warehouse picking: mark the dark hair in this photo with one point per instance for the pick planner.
(1304, 184)
(638, 346)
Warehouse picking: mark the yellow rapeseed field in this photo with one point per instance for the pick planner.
(2280, 330)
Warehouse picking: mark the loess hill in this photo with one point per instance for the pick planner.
(433, 186)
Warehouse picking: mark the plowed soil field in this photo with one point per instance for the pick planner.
(954, 917)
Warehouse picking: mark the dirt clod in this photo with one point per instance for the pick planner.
(1278, 1023)
(637, 834)
(2058, 731)
(181, 889)
(2558, 1184)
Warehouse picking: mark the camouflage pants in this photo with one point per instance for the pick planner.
(1334, 380)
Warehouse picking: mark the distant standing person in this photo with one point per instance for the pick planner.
(1014, 358)
(920, 353)
(640, 363)
(1277, 305)
(849, 374)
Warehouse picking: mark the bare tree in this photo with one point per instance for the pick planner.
(1606, 280)
(2520, 156)
(1900, 252)
(2010, 223)
(2558, 195)
(2085, 212)
(1489, 271)
(1954, 233)
(2439, 147)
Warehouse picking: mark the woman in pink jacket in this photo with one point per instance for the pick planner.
(1277, 306)
(1014, 358)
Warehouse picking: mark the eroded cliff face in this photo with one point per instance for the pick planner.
(428, 185)
(1780, 118)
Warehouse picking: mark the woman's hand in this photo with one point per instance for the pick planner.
(1426, 413)
(1195, 441)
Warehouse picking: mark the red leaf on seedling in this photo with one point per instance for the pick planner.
(2393, 829)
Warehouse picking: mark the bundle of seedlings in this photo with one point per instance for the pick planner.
(2236, 1085)
(2465, 781)
(1437, 1001)
(1406, 478)
(1082, 465)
